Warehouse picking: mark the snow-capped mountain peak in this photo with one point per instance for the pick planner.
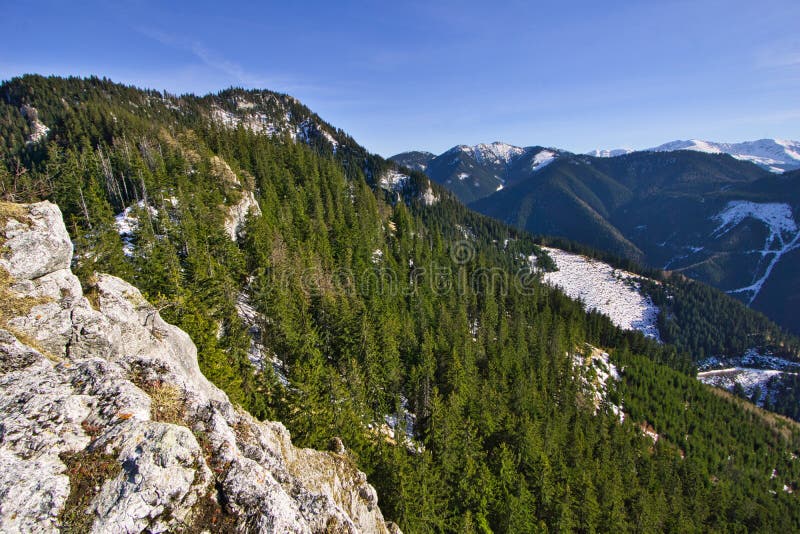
(493, 153)
(776, 155)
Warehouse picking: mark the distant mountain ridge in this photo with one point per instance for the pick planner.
(719, 213)
(775, 155)
(474, 172)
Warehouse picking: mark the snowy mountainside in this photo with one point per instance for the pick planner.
(664, 210)
(612, 292)
(491, 153)
(756, 375)
(477, 171)
(609, 152)
(775, 155)
(783, 236)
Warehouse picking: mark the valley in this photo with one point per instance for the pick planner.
(253, 264)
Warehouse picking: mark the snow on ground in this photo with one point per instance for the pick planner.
(127, 223)
(492, 153)
(307, 129)
(393, 180)
(226, 118)
(542, 159)
(609, 153)
(751, 358)
(597, 374)
(258, 354)
(612, 292)
(399, 424)
(462, 176)
(749, 379)
(751, 370)
(775, 155)
(783, 235)
(777, 216)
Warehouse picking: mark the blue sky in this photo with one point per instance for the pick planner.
(429, 75)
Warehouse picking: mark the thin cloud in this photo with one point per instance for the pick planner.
(207, 56)
(779, 55)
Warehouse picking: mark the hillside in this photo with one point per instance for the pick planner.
(660, 208)
(109, 425)
(347, 297)
(475, 172)
(723, 222)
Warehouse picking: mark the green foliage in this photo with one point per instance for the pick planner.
(504, 440)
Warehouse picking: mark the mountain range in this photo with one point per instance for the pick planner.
(776, 155)
(720, 219)
(174, 268)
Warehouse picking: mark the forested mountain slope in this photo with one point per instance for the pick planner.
(714, 218)
(376, 299)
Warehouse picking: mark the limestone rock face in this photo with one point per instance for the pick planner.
(106, 419)
(238, 213)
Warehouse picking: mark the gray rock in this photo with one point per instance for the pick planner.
(238, 213)
(37, 246)
(100, 381)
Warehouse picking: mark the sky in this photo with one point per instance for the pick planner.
(428, 75)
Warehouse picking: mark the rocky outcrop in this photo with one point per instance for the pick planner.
(237, 214)
(38, 129)
(108, 425)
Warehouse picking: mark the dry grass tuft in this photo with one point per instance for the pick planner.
(87, 471)
(168, 404)
(10, 210)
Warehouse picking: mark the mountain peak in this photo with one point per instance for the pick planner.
(775, 155)
(493, 153)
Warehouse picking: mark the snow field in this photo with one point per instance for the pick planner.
(612, 292)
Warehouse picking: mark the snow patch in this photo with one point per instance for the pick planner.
(225, 118)
(612, 292)
(597, 374)
(127, 223)
(258, 354)
(494, 153)
(393, 180)
(749, 379)
(783, 235)
(542, 159)
(753, 370)
(610, 153)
